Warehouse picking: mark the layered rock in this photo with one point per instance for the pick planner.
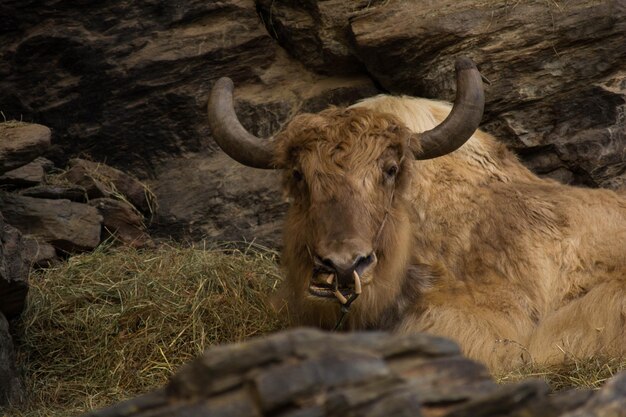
(68, 226)
(137, 92)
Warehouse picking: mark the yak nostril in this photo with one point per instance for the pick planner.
(329, 263)
(363, 262)
(358, 264)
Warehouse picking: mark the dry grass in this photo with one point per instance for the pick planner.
(588, 373)
(117, 322)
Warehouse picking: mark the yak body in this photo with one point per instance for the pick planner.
(470, 246)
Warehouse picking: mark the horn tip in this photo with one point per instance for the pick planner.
(224, 82)
(464, 63)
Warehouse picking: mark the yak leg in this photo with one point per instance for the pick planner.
(495, 338)
(591, 325)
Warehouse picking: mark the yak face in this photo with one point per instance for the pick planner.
(345, 171)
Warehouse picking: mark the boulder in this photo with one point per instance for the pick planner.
(306, 372)
(80, 176)
(38, 253)
(11, 387)
(14, 269)
(317, 33)
(117, 182)
(24, 176)
(20, 143)
(66, 225)
(122, 222)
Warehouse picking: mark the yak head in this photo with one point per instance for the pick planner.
(346, 172)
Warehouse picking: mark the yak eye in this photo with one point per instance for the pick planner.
(297, 175)
(391, 171)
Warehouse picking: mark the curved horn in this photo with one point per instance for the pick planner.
(462, 121)
(230, 135)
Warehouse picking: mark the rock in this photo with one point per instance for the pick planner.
(66, 225)
(117, 182)
(20, 143)
(306, 372)
(38, 253)
(122, 221)
(315, 32)
(14, 269)
(80, 176)
(24, 176)
(221, 200)
(11, 388)
(74, 193)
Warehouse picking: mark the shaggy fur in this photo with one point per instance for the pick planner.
(474, 246)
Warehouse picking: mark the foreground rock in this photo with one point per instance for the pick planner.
(66, 225)
(311, 373)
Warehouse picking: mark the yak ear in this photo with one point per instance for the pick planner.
(230, 135)
(462, 121)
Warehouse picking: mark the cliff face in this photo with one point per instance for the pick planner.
(127, 84)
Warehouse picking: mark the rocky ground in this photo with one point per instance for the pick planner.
(48, 213)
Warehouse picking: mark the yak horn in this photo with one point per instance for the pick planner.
(462, 121)
(230, 135)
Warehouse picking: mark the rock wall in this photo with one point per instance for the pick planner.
(127, 84)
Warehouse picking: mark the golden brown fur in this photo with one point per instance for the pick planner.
(474, 247)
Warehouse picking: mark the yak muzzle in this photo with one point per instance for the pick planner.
(334, 278)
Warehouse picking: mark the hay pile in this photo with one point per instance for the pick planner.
(117, 322)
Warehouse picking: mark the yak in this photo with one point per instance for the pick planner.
(438, 228)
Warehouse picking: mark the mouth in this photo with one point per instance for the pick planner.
(328, 288)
